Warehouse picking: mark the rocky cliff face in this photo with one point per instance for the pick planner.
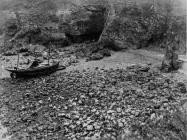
(79, 24)
(84, 23)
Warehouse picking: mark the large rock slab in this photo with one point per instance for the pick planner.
(115, 45)
(170, 61)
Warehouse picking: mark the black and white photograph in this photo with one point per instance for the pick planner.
(93, 70)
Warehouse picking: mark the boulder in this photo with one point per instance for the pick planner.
(84, 23)
(170, 61)
(95, 56)
(105, 52)
(182, 87)
(11, 27)
(23, 50)
(33, 35)
(36, 48)
(57, 38)
(115, 45)
(26, 54)
(10, 53)
(45, 55)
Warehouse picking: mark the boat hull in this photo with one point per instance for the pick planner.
(34, 72)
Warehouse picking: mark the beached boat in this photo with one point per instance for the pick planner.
(36, 68)
(33, 71)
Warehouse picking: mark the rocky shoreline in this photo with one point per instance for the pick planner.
(111, 83)
(135, 103)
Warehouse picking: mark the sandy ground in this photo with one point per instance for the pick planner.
(121, 60)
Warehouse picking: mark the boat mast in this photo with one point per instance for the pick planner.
(18, 60)
(49, 53)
